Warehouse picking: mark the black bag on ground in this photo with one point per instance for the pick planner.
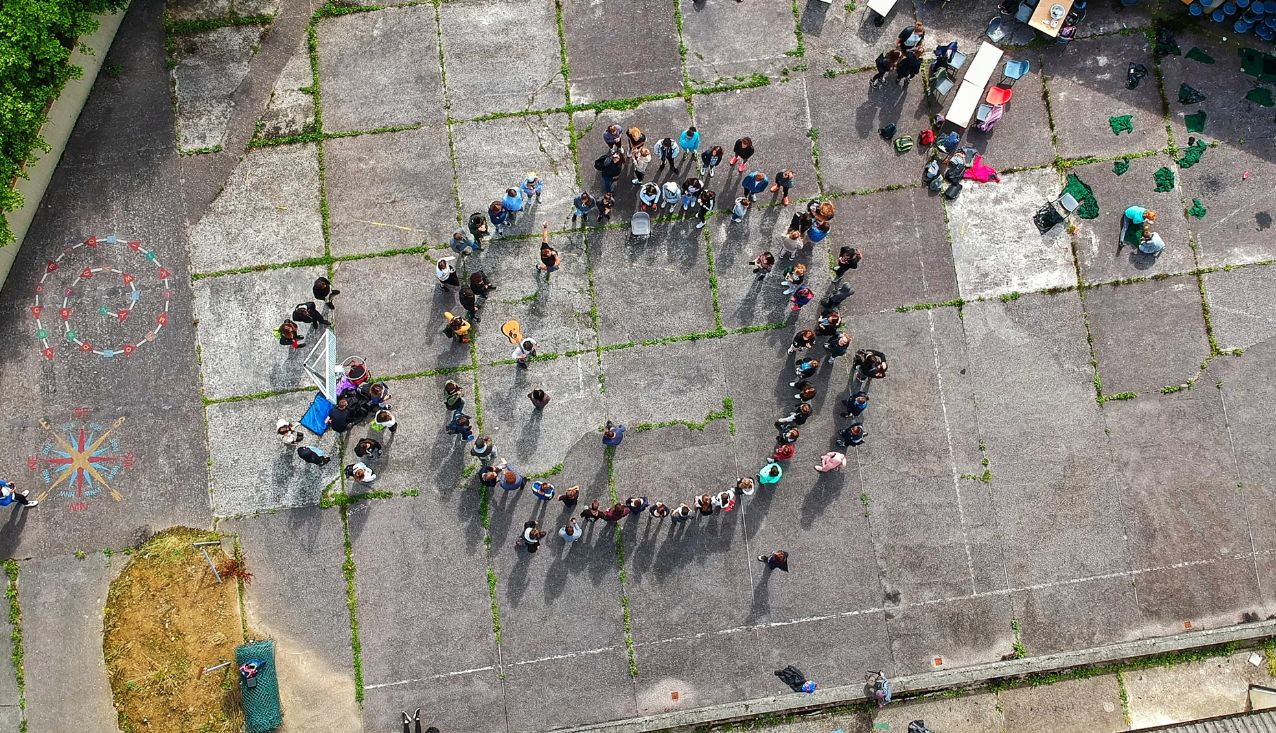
(887, 131)
(918, 726)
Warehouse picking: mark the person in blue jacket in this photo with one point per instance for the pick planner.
(754, 184)
(689, 140)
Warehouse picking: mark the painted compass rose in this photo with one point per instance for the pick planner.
(104, 290)
(80, 459)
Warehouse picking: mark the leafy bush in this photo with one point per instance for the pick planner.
(36, 40)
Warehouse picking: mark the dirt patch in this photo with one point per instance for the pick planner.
(166, 618)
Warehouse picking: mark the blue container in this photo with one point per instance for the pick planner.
(1265, 33)
(1195, 9)
(1256, 10)
(1240, 26)
(1229, 8)
(1270, 6)
(1218, 16)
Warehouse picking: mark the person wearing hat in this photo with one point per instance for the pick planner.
(289, 432)
(531, 188)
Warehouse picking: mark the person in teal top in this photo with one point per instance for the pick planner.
(689, 141)
(770, 474)
(1140, 218)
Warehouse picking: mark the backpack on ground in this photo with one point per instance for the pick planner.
(601, 161)
(904, 143)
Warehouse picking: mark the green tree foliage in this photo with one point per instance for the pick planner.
(36, 40)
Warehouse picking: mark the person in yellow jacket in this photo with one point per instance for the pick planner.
(457, 327)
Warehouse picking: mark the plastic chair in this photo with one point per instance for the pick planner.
(997, 30)
(957, 60)
(987, 116)
(640, 225)
(941, 84)
(999, 95)
(1013, 72)
(1025, 11)
(1068, 203)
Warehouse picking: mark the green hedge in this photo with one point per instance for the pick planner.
(36, 40)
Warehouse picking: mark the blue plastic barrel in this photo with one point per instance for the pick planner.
(1229, 8)
(1218, 16)
(1195, 9)
(1265, 33)
(1240, 26)
(1270, 6)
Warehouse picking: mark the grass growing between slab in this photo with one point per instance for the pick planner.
(166, 616)
(15, 636)
(352, 605)
(610, 453)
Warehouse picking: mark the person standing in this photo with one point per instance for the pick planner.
(778, 560)
(479, 229)
(361, 473)
(671, 195)
(322, 290)
(583, 204)
(680, 513)
(593, 512)
(705, 204)
(794, 278)
(801, 297)
(469, 302)
(532, 536)
(754, 184)
(710, 159)
(613, 138)
(289, 432)
(908, 68)
(740, 209)
(11, 494)
(531, 189)
(539, 398)
(659, 510)
(871, 364)
(384, 420)
(457, 327)
(690, 191)
(524, 352)
(453, 397)
(513, 204)
(667, 149)
(837, 345)
(856, 404)
(831, 461)
(805, 369)
(460, 425)
(605, 206)
(636, 505)
(649, 198)
(802, 340)
(462, 242)
(851, 435)
(446, 273)
(570, 532)
(910, 39)
(770, 474)
(613, 434)
(783, 181)
(829, 323)
(689, 141)
(799, 416)
(510, 480)
(636, 138)
(484, 449)
(762, 265)
(616, 513)
(608, 165)
(339, 417)
(367, 449)
(641, 159)
(480, 284)
(549, 256)
(818, 232)
(790, 244)
(745, 486)
(886, 63)
(741, 152)
(499, 217)
(308, 313)
(848, 258)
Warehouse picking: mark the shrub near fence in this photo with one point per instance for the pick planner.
(36, 40)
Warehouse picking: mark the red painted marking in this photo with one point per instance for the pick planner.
(135, 245)
(91, 241)
(51, 267)
(129, 349)
(79, 506)
(1187, 625)
(128, 460)
(58, 461)
(162, 319)
(64, 313)
(86, 272)
(168, 294)
(85, 346)
(673, 695)
(32, 463)
(48, 353)
(122, 314)
(36, 310)
(39, 290)
(128, 279)
(81, 412)
(69, 292)
(164, 273)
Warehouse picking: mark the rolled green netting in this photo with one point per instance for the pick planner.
(261, 702)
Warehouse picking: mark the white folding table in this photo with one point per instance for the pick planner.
(964, 103)
(881, 7)
(984, 64)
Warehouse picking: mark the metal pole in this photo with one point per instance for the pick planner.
(211, 565)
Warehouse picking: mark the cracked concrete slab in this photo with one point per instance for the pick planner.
(1147, 335)
(726, 40)
(1237, 226)
(997, 249)
(268, 212)
(380, 69)
(210, 67)
(845, 35)
(291, 109)
(641, 61)
(500, 57)
(1240, 306)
